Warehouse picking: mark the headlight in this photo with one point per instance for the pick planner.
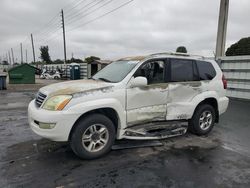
(57, 103)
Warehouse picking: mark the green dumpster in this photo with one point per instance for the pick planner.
(22, 74)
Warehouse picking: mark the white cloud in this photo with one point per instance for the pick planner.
(142, 27)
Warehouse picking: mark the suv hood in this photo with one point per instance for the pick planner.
(74, 87)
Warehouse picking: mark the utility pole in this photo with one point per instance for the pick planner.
(26, 56)
(222, 28)
(33, 49)
(13, 58)
(21, 47)
(9, 56)
(64, 40)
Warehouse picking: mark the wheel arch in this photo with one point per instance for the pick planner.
(108, 112)
(214, 103)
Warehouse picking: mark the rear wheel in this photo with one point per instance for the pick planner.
(203, 120)
(93, 136)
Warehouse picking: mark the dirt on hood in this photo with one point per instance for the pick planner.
(73, 87)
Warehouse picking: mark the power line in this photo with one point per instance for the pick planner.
(76, 2)
(94, 10)
(83, 8)
(101, 16)
(56, 34)
(47, 24)
(44, 37)
(50, 31)
(51, 37)
(74, 6)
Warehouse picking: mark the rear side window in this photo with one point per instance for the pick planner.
(181, 70)
(206, 70)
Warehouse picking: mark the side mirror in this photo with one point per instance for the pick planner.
(139, 82)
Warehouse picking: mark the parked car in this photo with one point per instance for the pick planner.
(50, 74)
(151, 97)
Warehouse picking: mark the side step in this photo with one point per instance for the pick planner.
(157, 130)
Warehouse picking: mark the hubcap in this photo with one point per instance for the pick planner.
(206, 119)
(95, 137)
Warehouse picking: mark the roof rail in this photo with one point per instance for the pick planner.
(177, 54)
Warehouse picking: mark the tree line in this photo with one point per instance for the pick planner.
(242, 47)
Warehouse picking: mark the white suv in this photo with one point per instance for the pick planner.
(150, 97)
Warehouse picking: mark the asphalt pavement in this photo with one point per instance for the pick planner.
(221, 159)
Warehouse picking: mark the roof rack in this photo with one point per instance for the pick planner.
(177, 54)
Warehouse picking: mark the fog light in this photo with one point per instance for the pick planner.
(46, 125)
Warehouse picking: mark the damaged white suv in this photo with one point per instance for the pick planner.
(150, 97)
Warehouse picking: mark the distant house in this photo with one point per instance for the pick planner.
(97, 65)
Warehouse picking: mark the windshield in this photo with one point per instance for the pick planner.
(115, 72)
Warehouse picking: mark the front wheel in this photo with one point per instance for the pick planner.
(93, 136)
(203, 120)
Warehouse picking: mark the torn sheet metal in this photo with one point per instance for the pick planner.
(147, 104)
(147, 114)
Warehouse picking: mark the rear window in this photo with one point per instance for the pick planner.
(206, 70)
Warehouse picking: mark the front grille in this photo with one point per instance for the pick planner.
(40, 97)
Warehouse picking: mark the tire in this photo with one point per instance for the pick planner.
(99, 135)
(201, 124)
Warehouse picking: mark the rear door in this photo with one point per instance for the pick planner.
(148, 103)
(184, 85)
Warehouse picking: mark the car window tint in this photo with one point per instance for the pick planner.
(181, 70)
(206, 70)
(196, 73)
(153, 71)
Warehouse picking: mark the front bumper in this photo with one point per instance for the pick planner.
(64, 121)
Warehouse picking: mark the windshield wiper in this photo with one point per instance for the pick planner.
(104, 79)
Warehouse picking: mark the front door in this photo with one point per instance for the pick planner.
(148, 103)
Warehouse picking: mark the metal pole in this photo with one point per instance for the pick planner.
(26, 56)
(33, 49)
(222, 28)
(9, 56)
(21, 47)
(13, 58)
(64, 40)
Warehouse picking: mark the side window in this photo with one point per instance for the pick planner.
(182, 70)
(206, 70)
(153, 71)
